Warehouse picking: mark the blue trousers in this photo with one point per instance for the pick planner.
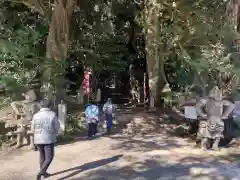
(109, 120)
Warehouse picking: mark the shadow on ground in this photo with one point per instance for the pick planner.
(145, 143)
(92, 165)
(133, 121)
(186, 169)
(77, 128)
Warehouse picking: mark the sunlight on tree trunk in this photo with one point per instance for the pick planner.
(233, 13)
(154, 51)
(58, 15)
(58, 41)
(58, 37)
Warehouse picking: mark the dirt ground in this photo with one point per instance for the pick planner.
(149, 156)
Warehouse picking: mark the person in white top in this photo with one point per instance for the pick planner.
(108, 109)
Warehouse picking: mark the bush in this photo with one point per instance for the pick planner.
(4, 101)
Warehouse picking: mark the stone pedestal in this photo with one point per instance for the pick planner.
(80, 98)
(152, 102)
(236, 113)
(62, 117)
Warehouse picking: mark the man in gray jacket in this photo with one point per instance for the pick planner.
(45, 126)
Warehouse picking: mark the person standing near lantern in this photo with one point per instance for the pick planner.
(108, 109)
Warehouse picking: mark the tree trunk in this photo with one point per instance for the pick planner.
(155, 48)
(58, 15)
(232, 14)
(57, 45)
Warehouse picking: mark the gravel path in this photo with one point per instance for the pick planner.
(152, 157)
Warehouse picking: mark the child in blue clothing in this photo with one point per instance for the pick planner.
(92, 118)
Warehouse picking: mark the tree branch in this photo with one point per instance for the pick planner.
(35, 5)
(34, 8)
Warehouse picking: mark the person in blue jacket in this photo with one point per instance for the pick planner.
(92, 118)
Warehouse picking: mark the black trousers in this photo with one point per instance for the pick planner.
(46, 152)
(92, 129)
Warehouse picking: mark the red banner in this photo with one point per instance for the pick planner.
(86, 83)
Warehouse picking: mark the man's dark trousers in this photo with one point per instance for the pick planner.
(46, 156)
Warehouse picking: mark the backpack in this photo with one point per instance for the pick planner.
(109, 110)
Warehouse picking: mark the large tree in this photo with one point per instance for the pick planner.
(193, 31)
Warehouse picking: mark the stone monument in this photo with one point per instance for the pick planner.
(214, 111)
(62, 116)
(98, 96)
(24, 111)
(49, 93)
(25, 107)
(236, 112)
(80, 96)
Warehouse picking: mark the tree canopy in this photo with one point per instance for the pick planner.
(186, 44)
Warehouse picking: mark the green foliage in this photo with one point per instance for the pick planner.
(99, 44)
(200, 53)
(75, 127)
(21, 46)
(111, 52)
(74, 123)
(19, 63)
(4, 101)
(106, 36)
